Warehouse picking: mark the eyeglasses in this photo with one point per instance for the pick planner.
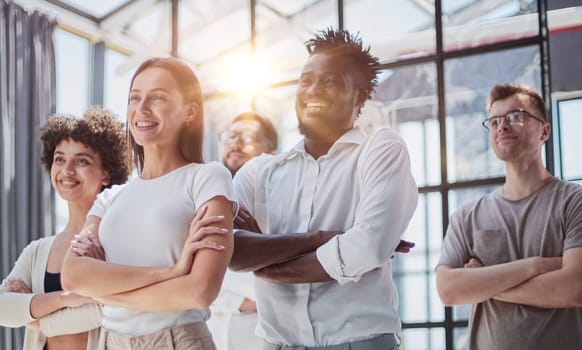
(247, 137)
(513, 117)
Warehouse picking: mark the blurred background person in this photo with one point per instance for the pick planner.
(248, 136)
(83, 157)
(234, 313)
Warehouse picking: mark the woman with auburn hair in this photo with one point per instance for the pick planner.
(167, 234)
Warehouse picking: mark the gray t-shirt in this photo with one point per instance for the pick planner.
(498, 230)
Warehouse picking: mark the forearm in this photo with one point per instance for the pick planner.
(71, 320)
(15, 309)
(87, 276)
(474, 285)
(539, 291)
(303, 269)
(560, 288)
(172, 295)
(45, 304)
(255, 251)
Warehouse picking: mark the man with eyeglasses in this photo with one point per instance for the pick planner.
(234, 313)
(248, 136)
(516, 253)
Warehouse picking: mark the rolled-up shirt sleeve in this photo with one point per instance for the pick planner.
(388, 198)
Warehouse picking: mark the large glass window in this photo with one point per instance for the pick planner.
(473, 23)
(281, 29)
(72, 84)
(406, 100)
(278, 103)
(395, 29)
(484, 42)
(118, 74)
(414, 272)
(570, 143)
(72, 72)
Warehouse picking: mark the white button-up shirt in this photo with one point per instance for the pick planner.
(362, 186)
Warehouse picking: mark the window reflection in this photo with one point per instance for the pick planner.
(406, 100)
(72, 88)
(414, 271)
(422, 339)
(393, 34)
(116, 83)
(570, 143)
(72, 72)
(475, 23)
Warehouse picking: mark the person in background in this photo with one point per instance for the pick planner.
(516, 253)
(83, 157)
(317, 289)
(167, 233)
(249, 135)
(234, 313)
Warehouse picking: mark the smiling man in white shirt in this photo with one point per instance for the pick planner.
(318, 289)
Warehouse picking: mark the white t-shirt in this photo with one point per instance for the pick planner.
(362, 186)
(145, 223)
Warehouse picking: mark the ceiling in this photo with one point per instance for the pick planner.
(214, 34)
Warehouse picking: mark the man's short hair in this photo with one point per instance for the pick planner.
(267, 127)
(342, 43)
(503, 91)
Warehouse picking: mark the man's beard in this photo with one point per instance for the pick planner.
(309, 131)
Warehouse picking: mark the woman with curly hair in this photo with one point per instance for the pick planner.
(83, 157)
(167, 234)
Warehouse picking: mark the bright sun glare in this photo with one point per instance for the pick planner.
(245, 74)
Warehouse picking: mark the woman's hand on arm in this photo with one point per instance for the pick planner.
(44, 304)
(16, 286)
(88, 245)
(200, 227)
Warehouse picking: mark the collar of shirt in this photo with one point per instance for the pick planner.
(353, 136)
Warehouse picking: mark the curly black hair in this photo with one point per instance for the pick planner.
(98, 130)
(342, 43)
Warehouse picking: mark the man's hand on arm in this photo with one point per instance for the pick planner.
(245, 221)
(475, 283)
(248, 305)
(303, 269)
(255, 250)
(404, 247)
